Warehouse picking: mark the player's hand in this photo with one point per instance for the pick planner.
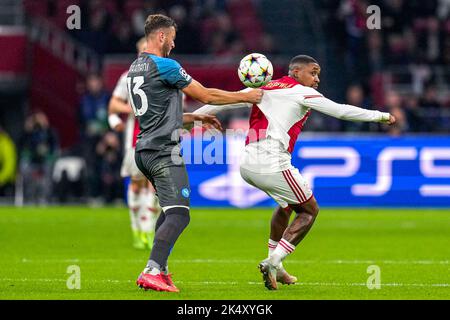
(120, 127)
(391, 120)
(209, 121)
(254, 95)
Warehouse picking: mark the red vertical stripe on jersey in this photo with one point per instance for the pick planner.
(258, 125)
(295, 130)
(258, 121)
(135, 131)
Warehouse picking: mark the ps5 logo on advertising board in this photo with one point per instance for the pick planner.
(384, 167)
(420, 169)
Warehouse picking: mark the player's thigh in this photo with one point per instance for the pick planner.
(285, 187)
(129, 167)
(169, 178)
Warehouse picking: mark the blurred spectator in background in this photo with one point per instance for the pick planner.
(431, 109)
(8, 160)
(109, 154)
(353, 13)
(39, 149)
(139, 16)
(375, 51)
(94, 32)
(394, 107)
(414, 115)
(188, 41)
(220, 37)
(356, 97)
(93, 117)
(122, 38)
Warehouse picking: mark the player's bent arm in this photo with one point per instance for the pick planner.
(118, 105)
(345, 111)
(220, 97)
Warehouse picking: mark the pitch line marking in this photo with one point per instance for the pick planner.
(239, 261)
(309, 284)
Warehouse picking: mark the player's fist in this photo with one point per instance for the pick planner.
(388, 119)
(391, 120)
(119, 127)
(254, 95)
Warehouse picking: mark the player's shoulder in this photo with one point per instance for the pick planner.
(307, 91)
(123, 77)
(165, 63)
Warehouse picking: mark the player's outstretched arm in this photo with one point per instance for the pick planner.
(215, 109)
(346, 111)
(219, 97)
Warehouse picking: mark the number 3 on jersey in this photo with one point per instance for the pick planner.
(137, 91)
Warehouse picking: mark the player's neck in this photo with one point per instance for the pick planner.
(154, 51)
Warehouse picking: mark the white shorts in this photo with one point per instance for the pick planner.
(285, 187)
(129, 167)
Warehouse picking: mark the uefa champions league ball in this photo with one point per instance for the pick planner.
(255, 70)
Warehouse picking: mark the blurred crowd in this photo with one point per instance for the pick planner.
(114, 26)
(410, 51)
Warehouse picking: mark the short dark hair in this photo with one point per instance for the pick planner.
(301, 59)
(158, 21)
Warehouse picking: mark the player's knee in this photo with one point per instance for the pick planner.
(315, 210)
(134, 186)
(180, 213)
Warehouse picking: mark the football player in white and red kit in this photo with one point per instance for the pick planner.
(142, 202)
(275, 124)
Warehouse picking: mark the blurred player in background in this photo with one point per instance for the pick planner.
(155, 85)
(275, 124)
(142, 202)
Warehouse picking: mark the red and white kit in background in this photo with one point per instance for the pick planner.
(144, 205)
(275, 124)
(129, 167)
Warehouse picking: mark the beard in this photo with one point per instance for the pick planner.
(166, 49)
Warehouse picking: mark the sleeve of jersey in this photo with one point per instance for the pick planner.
(211, 109)
(174, 75)
(343, 111)
(121, 91)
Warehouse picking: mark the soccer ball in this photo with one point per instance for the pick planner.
(255, 70)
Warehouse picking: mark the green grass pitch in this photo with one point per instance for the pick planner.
(217, 255)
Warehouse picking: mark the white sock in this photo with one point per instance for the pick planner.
(152, 271)
(147, 213)
(272, 245)
(134, 206)
(283, 249)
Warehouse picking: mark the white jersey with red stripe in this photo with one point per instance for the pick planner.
(132, 124)
(129, 167)
(275, 124)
